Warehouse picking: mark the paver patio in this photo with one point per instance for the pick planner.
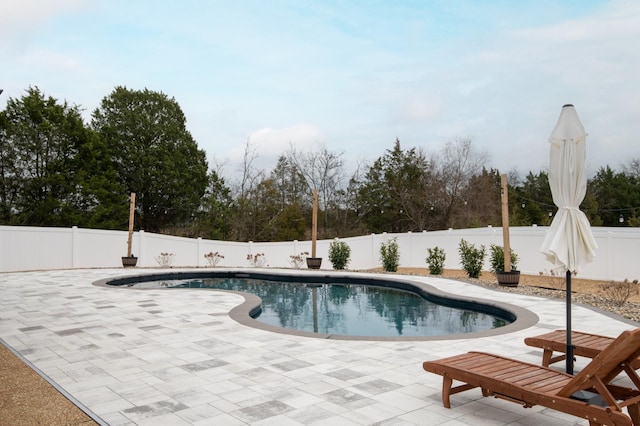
(175, 357)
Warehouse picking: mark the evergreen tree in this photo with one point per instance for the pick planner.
(55, 171)
(214, 217)
(154, 155)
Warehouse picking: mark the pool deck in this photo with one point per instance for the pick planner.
(150, 357)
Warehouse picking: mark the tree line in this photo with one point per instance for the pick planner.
(58, 170)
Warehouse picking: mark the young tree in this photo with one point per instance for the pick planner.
(154, 154)
(214, 217)
(350, 223)
(289, 224)
(396, 194)
(322, 170)
(290, 183)
(250, 176)
(264, 210)
(483, 203)
(409, 176)
(456, 164)
(374, 199)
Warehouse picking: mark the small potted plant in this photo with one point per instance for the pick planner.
(314, 262)
(129, 261)
(506, 278)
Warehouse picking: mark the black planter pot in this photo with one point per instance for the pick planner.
(314, 262)
(129, 262)
(508, 279)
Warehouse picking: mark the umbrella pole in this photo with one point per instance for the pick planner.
(569, 351)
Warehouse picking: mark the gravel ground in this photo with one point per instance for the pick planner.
(628, 310)
(27, 399)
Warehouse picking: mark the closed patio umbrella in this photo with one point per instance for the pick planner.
(569, 242)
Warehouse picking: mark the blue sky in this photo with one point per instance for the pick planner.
(352, 75)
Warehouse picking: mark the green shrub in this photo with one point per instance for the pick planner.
(339, 254)
(496, 259)
(471, 258)
(435, 260)
(389, 255)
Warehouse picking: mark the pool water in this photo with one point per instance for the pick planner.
(346, 309)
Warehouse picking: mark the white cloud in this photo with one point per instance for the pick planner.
(50, 61)
(616, 20)
(269, 140)
(270, 143)
(421, 109)
(21, 17)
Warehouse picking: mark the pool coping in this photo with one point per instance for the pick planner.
(524, 318)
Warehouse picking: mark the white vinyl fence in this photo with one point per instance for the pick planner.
(34, 248)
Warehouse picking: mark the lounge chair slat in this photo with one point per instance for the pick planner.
(496, 367)
(513, 371)
(525, 373)
(540, 376)
(550, 385)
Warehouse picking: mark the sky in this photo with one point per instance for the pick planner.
(351, 76)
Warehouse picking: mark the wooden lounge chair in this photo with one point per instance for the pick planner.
(589, 395)
(585, 344)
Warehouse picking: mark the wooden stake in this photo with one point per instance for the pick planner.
(132, 207)
(314, 223)
(505, 222)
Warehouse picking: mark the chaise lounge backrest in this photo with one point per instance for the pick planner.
(608, 364)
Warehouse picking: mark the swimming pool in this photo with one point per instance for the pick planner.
(342, 306)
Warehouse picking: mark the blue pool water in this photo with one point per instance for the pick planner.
(346, 309)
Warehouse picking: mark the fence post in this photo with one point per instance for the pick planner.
(141, 248)
(609, 255)
(372, 262)
(74, 246)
